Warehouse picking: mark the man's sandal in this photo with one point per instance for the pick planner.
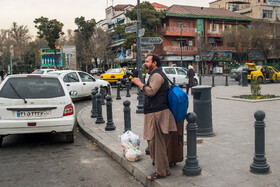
(155, 176)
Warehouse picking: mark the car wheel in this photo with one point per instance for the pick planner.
(237, 79)
(70, 137)
(260, 79)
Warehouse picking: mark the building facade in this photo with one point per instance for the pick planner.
(259, 9)
(193, 35)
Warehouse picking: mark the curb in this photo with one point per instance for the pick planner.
(129, 166)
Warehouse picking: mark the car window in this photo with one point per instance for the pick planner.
(38, 71)
(276, 70)
(32, 88)
(85, 77)
(71, 77)
(117, 70)
(50, 70)
(271, 70)
(180, 71)
(169, 70)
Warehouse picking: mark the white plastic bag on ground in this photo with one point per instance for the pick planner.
(130, 143)
(132, 154)
(129, 137)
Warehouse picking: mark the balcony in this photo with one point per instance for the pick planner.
(176, 31)
(186, 50)
(216, 33)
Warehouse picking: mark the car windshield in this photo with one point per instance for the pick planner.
(32, 88)
(38, 71)
(241, 68)
(117, 70)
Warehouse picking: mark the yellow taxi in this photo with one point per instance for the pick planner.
(115, 74)
(264, 73)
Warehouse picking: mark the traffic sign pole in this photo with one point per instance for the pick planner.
(140, 108)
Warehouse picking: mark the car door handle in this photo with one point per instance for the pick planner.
(84, 83)
(67, 84)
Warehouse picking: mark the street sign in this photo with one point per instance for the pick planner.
(130, 29)
(141, 32)
(147, 47)
(151, 40)
(121, 56)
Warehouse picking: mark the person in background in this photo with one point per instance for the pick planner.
(190, 75)
(159, 122)
(135, 72)
(2, 74)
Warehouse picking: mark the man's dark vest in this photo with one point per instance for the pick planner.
(159, 101)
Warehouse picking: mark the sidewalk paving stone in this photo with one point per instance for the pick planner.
(225, 158)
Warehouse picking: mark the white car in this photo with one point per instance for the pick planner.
(179, 73)
(36, 104)
(81, 82)
(42, 71)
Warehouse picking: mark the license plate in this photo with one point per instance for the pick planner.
(27, 114)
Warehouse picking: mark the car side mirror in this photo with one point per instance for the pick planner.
(73, 93)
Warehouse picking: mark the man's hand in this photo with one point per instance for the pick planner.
(138, 82)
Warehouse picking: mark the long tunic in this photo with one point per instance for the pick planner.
(157, 128)
(164, 118)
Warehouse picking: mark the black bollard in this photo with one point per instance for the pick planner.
(252, 77)
(191, 167)
(99, 110)
(94, 105)
(147, 151)
(127, 118)
(259, 164)
(226, 80)
(239, 81)
(200, 82)
(127, 89)
(213, 81)
(174, 80)
(244, 75)
(118, 92)
(110, 124)
(276, 78)
(102, 94)
(96, 89)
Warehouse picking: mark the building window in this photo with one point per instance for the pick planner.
(264, 1)
(227, 26)
(178, 24)
(214, 27)
(267, 14)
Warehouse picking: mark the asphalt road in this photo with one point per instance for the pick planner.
(46, 160)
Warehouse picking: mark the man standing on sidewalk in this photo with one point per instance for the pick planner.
(158, 119)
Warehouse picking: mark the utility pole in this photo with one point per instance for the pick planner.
(181, 45)
(140, 108)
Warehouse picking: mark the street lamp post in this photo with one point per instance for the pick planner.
(181, 44)
(140, 108)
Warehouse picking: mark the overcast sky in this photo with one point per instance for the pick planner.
(24, 12)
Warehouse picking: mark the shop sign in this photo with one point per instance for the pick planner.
(217, 56)
(178, 58)
(273, 2)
